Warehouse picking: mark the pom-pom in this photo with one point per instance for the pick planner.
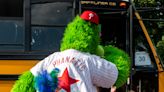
(46, 82)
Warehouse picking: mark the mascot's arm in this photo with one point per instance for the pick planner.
(121, 60)
(25, 83)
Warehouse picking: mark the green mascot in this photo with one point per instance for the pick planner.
(82, 65)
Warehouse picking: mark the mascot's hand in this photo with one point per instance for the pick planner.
(25, 83)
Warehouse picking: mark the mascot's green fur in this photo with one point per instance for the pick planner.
(121, 60)
(25, 83)
(83, 35)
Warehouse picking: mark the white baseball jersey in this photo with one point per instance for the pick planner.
(79, 71)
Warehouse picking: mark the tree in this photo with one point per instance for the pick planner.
(153, 12)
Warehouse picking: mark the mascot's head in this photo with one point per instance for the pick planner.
(82, 33)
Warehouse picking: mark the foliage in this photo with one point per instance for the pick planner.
(151, 10)
(145, 3)
(160, 49)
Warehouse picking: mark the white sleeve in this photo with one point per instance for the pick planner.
(103, 73)
(42, 65)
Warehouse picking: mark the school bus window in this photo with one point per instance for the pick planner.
(46, 39)
(11, 8)
(51, 13)
(11, 35)
(11, 26)
(48, 21)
